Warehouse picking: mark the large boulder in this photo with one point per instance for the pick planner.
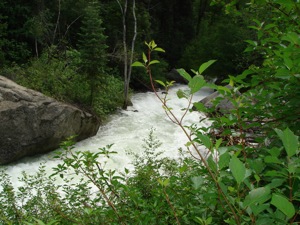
(32, 123)
(173, 75)
(224, 106)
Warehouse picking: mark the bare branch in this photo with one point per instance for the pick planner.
(57, 22)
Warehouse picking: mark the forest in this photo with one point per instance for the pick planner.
(95, 54)
(80, 52)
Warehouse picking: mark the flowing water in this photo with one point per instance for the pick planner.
(126, 131)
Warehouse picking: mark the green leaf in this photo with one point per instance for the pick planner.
(224, 88)
(283, 204)
(181, 94)
(153, 62)
(170, 83)
(231, 81)
(205, 140)
(254, 27)
(288, 63)
(145, 58)
(164, 183)
(197, 181)
(224, 160)
(148, 44)
(292, 38)
(159, 50)
(275, 173)
(212, 164)
(153, 45)
(283, 73)
(272, 159)
(264, 220)
(160, 82)
(53, 222)
(39, 222)
(184, 74)
(194, 72)
(253, 43)
(126, 170)
(269, 26)
(196, 83)
(257, 165)
(276, 183)
(289, 140)
(257, 196)
(238, 169)
(205, 65)
(209, 220)
(275, 151)
(183, 169)
(200, 106)
(257, 209)
(218, 143)
(138, 64)
(292, 167)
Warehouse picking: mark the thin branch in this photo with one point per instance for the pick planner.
(133, 42)
(57, 22)
(171, 205)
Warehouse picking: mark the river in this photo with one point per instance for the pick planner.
(126, 131)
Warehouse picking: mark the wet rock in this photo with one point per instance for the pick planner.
(32, 123)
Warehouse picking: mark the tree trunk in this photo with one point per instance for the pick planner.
(126, 96)
(127, 63)
(201, 11)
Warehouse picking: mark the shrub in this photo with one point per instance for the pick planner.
(109, 96)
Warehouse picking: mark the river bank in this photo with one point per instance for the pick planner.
(125, 130)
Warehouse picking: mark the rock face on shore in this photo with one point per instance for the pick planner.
(32, 123)
(224, 106)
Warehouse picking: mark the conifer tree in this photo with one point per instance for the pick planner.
(93, 48)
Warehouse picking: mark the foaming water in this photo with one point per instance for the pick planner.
(126, 131)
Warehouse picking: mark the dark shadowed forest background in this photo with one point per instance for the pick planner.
(74, 50)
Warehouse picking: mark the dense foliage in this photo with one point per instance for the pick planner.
(79, 45)
(250, 174)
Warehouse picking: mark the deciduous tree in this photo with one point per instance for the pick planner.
(128, 55)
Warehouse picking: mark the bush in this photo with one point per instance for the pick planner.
(147, 194)
(109, 96)
(59, 78)
(56, 78)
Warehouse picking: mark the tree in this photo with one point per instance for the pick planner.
(3, 33)
(200, 7)
(92, 47)
(38, 28)
(128, 56)
(14, 14)
(173, 23)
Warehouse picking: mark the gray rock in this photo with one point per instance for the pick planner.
(173, 75)
(223, 106)
(32, 123)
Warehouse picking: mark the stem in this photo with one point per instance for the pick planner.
(291, 187)
(124, 12)
(172, 207)
(57, 22)
(132, 43)
(58, 210)
(242, 133)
